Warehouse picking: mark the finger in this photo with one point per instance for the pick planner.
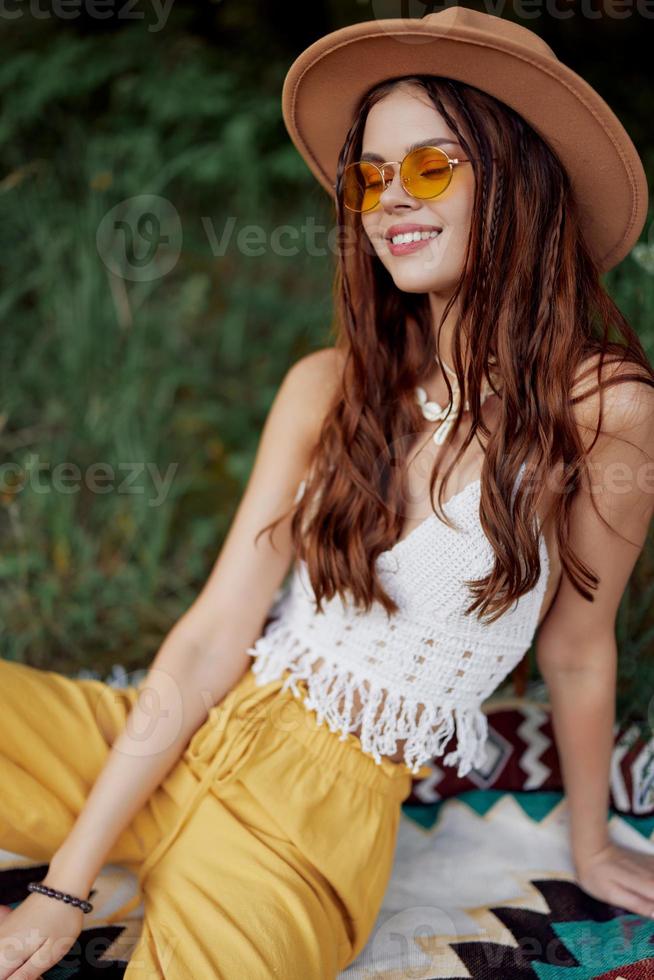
(639, 865)
(31, 968)
(636, 880)
(50, 954)
(12, 955)
(16, 949)
(18, 971)
(632, 901)
(646, 864)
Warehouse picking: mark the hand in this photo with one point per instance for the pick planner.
(620, 876)
(36, 935)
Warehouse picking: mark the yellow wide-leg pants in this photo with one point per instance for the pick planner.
(266, 850)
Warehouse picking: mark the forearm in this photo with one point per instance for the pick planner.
(582, 701)
(185, 679)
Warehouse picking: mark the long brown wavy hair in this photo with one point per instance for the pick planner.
(531, 305)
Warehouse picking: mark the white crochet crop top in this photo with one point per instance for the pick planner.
(430, 667)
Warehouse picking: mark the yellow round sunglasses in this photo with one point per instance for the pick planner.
(425, 173)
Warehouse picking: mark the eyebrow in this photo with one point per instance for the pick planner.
(414, 146)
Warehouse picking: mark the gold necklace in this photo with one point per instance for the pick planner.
(434, 412)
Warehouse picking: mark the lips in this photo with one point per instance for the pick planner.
(404, 229)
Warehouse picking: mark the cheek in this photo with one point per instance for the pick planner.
(368, 227)
(467, 200)
(370, 239)
(456, 215)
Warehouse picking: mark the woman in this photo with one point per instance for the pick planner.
(262, 837)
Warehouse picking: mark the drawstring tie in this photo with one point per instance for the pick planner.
(224, 758)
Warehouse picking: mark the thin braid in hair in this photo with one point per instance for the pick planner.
(550, 264)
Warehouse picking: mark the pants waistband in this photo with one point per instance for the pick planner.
(343, 749)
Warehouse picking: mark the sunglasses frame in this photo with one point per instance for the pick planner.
(452, 162)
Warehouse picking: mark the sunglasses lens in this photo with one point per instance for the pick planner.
(426, 172)
(362, 186)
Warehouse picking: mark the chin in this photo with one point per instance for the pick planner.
(418, 281)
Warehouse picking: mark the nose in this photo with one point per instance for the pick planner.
(394, 193)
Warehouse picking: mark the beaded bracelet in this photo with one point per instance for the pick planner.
(37, 886)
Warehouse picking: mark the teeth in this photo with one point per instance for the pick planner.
(413, 236)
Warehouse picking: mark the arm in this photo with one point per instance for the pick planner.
(205, 652)
(576, 645)
(582, 700)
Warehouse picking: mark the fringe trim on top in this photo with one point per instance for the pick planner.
(332, 684)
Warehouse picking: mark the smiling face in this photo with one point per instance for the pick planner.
(404, 117)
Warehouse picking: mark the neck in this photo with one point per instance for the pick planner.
(444, 345)
(436, 385)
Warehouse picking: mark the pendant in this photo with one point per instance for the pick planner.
(434, 412)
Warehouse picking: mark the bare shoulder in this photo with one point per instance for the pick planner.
(323, 367)
(621, 453)
(626, 397)
(313, 383)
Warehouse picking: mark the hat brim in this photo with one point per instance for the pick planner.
(324, 85)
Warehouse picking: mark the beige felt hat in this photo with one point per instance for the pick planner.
(325, 83)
